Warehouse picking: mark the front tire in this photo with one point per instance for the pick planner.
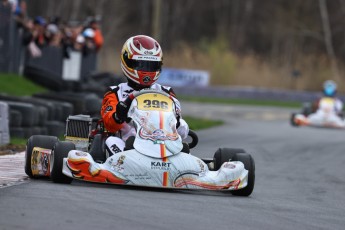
(292, 120)
(249, 164)
(46, 142)
(224, 155)
(59, 152)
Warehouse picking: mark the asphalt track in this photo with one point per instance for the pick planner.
(300, 184)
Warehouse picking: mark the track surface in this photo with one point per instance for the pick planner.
(300, 184)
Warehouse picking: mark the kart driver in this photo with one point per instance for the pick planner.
(329, 102)
(141, 63)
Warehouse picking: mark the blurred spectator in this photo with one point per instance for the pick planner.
(53, 35)
(39, 31)
(98, 37)
(19, 7)
(89, 44)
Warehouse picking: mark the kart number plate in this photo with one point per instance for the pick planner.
(157, 102)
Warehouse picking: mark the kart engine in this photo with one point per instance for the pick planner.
(78, 128)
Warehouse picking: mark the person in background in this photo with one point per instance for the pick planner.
(329, 102)
(98, 36)
(141, 63)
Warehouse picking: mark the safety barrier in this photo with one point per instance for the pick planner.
(4, 124)
(14, 57)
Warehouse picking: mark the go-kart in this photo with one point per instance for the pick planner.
(324, 116)
(155, 157)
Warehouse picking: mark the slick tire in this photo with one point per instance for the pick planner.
(46, 142)
(59, 152)
(249, 164)
(15, 118)
(97, 150)
(224, 155)
(55, 128)
(17, 132)
(292, 120)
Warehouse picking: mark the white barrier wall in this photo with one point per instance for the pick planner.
(184, 77)
(4, 124)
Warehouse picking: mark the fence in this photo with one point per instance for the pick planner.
(11, 49)
(14, 57)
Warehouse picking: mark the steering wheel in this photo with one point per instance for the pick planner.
(132, 96)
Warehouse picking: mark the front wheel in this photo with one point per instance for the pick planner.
(292, 120)
(223, 155)
(249, 164)
(59, 152)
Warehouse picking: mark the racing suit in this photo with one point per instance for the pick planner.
(116, 143)
(328, 110)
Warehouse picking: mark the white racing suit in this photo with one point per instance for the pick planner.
(115, 144)
(327, 113)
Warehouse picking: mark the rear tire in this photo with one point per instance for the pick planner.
(249, 164)
(59, 152)
(41, 141)
(224, 155)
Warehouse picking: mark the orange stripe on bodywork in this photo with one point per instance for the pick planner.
(162, 148)
(161, 126)
(165, 179)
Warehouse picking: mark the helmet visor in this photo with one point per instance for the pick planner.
(149, 66)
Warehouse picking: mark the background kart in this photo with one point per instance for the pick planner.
(325, 117)
(156, 157)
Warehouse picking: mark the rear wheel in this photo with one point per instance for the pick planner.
(249, 164)
(41, 141)
(224, 155)
(59, 152)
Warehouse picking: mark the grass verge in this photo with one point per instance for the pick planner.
(240, 101)
(201, 123)
(16, 85)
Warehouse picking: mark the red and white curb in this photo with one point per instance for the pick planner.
(12, 169)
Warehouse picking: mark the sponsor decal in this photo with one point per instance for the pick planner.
(115, 148)
(45, 163)
(202, 167)
(158, 136)
(140, 176)
(81, 154)
(148, 58)
(126, 92)
(109, 108)
(158, 165)
(40, 162)
(146, 79)
(148, 52)
(229, 165)
(118, 165)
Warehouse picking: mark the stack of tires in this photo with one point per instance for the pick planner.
(46, 114)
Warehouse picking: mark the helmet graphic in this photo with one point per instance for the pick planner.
(329, 88)
(141, 60)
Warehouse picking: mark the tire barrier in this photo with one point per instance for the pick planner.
(4, 124)
(46, 113)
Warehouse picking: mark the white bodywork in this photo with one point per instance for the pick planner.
(156, 159)
(325, 116)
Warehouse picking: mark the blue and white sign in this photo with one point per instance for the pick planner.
(184, 77)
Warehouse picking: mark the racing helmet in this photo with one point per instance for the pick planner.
(141, 60)
(329, 88)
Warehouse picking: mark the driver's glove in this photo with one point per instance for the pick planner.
(121, 112)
